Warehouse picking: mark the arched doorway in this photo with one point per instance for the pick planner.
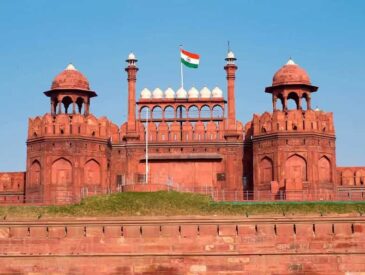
(92, 177)
(347, 177)
(35, 174)
(33, 187)
(324, 166)
(62, 181)
(296, 172)
(359, 177)
(266, 172)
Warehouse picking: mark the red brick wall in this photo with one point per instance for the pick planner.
(12, 187)
(332, 245)
(350, 177)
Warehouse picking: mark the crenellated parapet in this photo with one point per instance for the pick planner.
(12, 187)
(293, 121)
(77, 125)
(351, 177)
(186, 116)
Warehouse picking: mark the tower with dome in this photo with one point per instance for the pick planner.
(293, 146)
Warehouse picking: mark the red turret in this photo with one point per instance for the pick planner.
(231, 75)
(291, 82)
(132, 77)
(70, 88)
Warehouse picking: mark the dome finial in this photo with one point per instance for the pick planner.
(317, 109)
(290, 61)
(131, 59)
(70, 67)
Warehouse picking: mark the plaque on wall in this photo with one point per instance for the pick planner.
(221, 176)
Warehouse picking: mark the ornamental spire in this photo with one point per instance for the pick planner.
(70, 67)
(290, 62)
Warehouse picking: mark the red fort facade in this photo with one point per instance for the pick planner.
(183, 140)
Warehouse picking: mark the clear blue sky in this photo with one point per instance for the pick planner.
(39, 38)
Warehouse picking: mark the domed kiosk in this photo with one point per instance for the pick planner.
(70, 88)
(291, 82)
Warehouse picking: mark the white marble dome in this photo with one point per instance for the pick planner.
(230, 54)
(131, 56)
(181, 93)
(217, 92)
(157, 93)
(193, 93)
(169, 93)
(205, 93)
(145, 93)
(290, 62)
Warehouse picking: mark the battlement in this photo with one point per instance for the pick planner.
(351, 177)
(72, 125)
(186, 131)
(293, 121)
(12, 182)
(183, 116)
(12, 186)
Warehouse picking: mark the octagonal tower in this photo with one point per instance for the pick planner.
(294, 146)
(68, 149)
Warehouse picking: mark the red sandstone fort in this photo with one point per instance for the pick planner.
(189, 140)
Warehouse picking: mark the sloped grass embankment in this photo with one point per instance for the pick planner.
(175, 204)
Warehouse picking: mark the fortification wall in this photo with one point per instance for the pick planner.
(195, 245)
(12, 187)
(292, 121)
(75, 125)
(350, 177)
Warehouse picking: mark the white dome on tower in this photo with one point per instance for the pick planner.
(217, 92)
(230, 54)
(169, 93)
(70, 67)
(145, 93)
(181, 93)
(290, 62)
(193, 93)
(157, 93)
(205, 93)
(131, 56)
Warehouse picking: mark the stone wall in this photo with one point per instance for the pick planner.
(12, 187)
(350, 177)
(193, 245)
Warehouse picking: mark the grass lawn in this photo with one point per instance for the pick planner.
(174, 203)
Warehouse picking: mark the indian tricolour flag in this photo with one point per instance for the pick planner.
(189, 59)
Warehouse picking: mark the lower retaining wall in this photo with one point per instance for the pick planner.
(195, 245)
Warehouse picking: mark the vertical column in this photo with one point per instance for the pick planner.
(59, 106)
(231, 75)
(132, 77)
(53, 107)
(309, 103)
(299, 103)
(285, 107)
(274, 99)
(87, 107)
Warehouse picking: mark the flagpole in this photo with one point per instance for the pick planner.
(147, 114)
(181, 70)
